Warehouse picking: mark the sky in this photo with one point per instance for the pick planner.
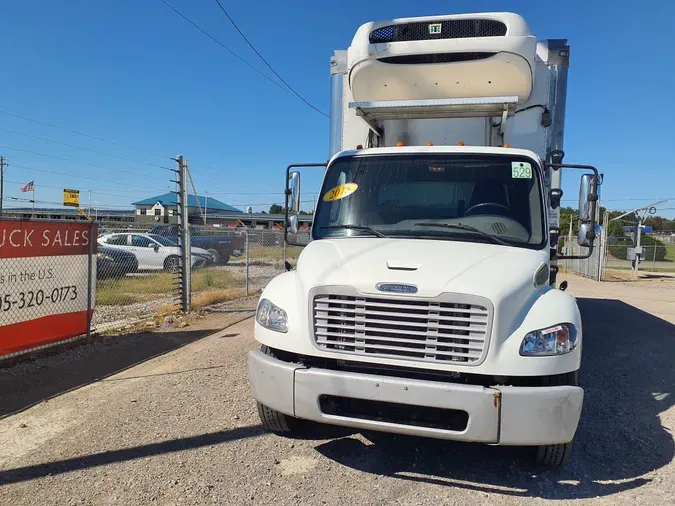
(135, 73)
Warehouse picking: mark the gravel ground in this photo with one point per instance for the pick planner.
(111, 314)
(181, 428)
(259, 275)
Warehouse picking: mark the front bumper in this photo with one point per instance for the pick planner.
(496, 415)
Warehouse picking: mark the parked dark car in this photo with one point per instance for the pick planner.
(221, 245)
(114, 263)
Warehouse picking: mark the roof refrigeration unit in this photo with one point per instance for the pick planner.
(478, 79)
(448, 57)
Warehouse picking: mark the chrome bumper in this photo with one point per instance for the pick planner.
(497, 415)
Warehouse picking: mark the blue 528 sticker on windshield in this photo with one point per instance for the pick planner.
(521, 170)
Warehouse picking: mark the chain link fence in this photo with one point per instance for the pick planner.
(592, 267)
(654, 257)
(138, 265)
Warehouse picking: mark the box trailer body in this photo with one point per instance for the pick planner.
(425, 303)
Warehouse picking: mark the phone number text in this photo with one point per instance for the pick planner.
(36, 298)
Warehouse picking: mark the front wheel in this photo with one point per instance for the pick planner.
(273, 420)
(277, 422)
(558, 455)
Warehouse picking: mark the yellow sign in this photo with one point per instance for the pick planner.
(71, 197)
(340, 192)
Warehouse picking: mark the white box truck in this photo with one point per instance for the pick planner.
(425, 302)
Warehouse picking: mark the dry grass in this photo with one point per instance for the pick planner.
(133, 289)
(275, 253)
(210, 297)
(113, 298)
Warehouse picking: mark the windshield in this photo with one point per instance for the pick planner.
(452, 196)
(162, 240)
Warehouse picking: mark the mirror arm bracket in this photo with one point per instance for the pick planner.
(577, 257)
(287, 193)
(592, 197)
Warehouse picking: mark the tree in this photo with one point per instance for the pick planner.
(276, 209)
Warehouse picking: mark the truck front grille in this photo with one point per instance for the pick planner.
(404, 328)
(429, 30)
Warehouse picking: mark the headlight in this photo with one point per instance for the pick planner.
(556, 340)
(271, 317)
(104, 256)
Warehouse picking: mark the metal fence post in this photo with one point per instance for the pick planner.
(185, 268)
(285, 259)
(247, 261)
(90, 270)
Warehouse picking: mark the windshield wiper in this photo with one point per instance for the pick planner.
(466, 228)
(357, 227)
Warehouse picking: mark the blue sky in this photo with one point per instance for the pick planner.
(135, 73)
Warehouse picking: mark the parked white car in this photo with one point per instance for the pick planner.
(153, 252)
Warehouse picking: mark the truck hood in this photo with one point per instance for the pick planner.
(488, 270)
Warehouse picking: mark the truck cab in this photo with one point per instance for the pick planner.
(425, 302)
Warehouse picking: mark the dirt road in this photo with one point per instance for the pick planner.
(181, 428)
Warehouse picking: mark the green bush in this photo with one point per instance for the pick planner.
(620, 249)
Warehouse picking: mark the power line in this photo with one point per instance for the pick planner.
(83, 149)
(51, 202)
(93, 191)
(86, 177)
(245, 62)
(625, 200)
(225, 172)
(133, 173)
(250, 44)
(224, 46)
(81, 133)
(267, 203)
(113, 143)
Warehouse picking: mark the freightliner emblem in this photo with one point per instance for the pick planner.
(396, 288)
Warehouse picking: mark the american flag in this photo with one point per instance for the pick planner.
(28, 187)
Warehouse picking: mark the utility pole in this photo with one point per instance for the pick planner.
(638, 251)
(2, 180)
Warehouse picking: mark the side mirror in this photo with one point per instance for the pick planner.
(588, 198)
(294, 187)
(587, 234)
(156, 248)
(293, 224)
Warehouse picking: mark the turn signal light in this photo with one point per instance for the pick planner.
(460, 143)
(430, 143)
(399, 143)
(507, 145)
(359, 146)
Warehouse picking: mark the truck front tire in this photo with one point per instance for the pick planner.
(272, 420)
(275, 421)
(558, 455)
